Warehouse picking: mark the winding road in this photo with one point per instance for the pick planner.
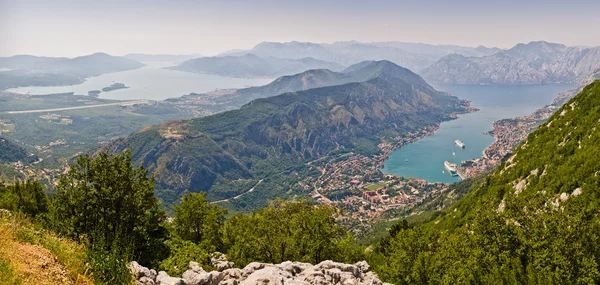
(235, 197)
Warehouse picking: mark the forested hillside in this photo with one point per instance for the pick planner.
(10, 152)
(535, 220)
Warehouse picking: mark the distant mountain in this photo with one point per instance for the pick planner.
(225, 154)
(250, 65)
(414, 56)
(532, 63)
(25, 70)
(173, 58)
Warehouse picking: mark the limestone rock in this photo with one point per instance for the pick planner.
(164, 279)
(286, 273)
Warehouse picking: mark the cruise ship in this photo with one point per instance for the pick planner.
(459, 144)
(451, 167)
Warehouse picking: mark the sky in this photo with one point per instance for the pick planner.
(77, 27)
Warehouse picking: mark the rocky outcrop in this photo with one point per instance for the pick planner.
(286, 273)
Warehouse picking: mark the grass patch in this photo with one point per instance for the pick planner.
(8, 275)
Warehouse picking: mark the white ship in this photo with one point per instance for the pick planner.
(459, 144)
(451, 167)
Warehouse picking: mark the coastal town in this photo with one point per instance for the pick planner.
(355, 183)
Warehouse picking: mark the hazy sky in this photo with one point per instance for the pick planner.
(77, 27)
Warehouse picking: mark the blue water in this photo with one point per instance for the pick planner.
(151, 82)
(426, 156)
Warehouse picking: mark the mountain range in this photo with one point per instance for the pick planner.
(414, 56)
(172, 58)
(533, 63)
(269, 137)
(309, 79)
(250, 65)
(27, 70)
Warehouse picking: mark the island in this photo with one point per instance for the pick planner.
(94, 93)
(115, 86)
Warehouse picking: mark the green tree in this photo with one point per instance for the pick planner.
(28, 198)
(198, 221)
(111, 204)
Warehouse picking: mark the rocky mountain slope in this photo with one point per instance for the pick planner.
(535, 219)
(414, 56)
(232, 151)
(250, 65)
(532, 63)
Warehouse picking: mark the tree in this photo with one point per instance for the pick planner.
(28, 198)
(295, 230)
(111, 204)
(198, 221)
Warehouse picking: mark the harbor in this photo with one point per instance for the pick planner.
(425, 158)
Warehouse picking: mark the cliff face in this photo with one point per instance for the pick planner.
(533, 63)
(269, 135)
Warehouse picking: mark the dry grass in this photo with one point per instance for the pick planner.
(38, 257)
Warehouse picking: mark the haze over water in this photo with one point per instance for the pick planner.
(151, 82)
(426, 156)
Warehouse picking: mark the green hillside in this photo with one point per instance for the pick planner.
(272, 138)
(535, 220)
(10, 152)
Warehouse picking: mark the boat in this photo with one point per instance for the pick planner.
(459, 144)
(451, 167)
(453, 153)
(406, 160)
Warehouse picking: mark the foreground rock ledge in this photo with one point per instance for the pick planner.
(286, 273)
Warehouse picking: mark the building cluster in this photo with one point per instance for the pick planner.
(58, 119)
(355, 183)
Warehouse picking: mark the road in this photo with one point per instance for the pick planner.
(249, 191)
(126, 103)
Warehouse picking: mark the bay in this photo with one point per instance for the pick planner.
(151, 82)
(425, 157)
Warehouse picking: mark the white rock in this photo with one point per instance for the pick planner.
(164, 279)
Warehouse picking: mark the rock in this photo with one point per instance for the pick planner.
(363, 266)
(220, 262)
(267, 276)
(286, 273)
(328, 264)
(254, 266)
(195, 275)
(139, 271)
(164, 279)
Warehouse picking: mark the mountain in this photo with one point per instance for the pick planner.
(532, 63)
(250, 65)
(26, 70)
(227, 153)
(414, 56)
(309, 79)
(534, 220)
(173, 58)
